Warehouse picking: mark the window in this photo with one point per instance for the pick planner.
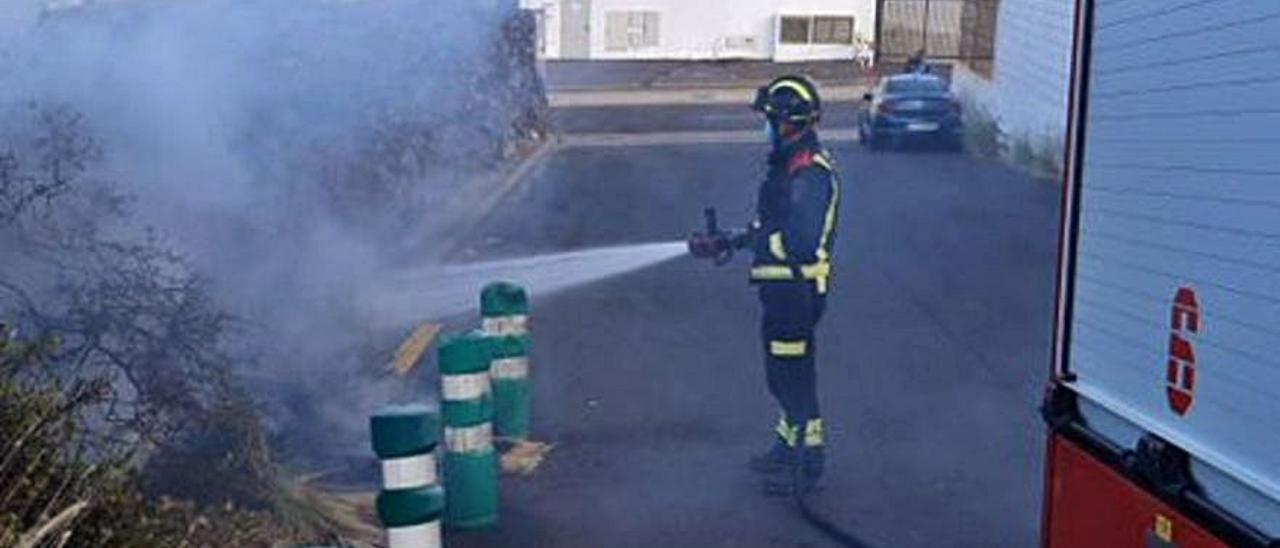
(833, 30)
(806, 29)
(630, 30)
(795, 30)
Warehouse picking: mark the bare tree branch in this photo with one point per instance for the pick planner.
(59, 522)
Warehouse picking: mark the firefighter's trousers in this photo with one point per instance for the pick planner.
(791, 313)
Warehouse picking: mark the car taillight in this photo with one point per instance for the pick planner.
(887, 107)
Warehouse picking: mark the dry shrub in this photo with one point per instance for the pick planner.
(121, 423)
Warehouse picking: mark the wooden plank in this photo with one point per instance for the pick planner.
(412, 349)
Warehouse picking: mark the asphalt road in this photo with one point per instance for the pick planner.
(642, 119)
(595, 74)
(932, 355)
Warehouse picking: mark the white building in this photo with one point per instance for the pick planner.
(1025, 86)
(781, 30)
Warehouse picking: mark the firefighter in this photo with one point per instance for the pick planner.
(792, 239)
(916, 64)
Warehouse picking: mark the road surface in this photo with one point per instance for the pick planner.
(660, 118)
(596, 74)
(650, 385)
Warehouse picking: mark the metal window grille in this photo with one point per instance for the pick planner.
(833, 30)
(795, 30)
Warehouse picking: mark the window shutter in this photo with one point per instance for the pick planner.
(616, 28)
(651, 29)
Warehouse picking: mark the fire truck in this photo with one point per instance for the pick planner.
(1163, 410)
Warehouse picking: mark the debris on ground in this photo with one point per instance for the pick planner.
(412, 349)
(524, 457)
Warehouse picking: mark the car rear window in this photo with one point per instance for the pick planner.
(915, 85)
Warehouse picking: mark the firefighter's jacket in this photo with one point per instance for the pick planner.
(797, 212)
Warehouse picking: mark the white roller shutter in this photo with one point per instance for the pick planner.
(1175, 313)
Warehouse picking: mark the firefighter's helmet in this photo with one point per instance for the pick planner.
(790, 98)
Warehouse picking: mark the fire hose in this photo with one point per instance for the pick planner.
(822, 523)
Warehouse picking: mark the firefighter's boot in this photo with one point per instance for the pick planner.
(808, 460)
(779, 458)
(813, 460)
(802, 476)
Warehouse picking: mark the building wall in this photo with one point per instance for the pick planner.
(1027, 92)
(713, 29)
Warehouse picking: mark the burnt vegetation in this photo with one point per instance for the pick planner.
(124, 420)
(113, 368)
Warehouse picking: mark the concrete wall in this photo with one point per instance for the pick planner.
(713, 29)
(1027, 92)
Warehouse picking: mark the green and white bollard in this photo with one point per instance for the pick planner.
(511, 394)
(470, 465)
(411, 502)
(505, 309)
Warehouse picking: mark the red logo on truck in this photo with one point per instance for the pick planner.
(1181, 374)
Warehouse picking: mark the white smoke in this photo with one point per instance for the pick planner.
(225, 119)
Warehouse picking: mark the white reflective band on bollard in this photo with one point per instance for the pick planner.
(426, 535)
(506, 325)
(511, 368)
(409, 472)
(472, 439)
(464, 387)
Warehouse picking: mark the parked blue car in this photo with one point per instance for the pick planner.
(916, 106)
